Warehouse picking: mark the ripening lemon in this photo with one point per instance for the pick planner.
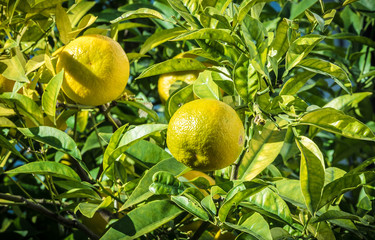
(96, 70)
(205, 134)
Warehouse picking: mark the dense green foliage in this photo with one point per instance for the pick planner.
(300, 74)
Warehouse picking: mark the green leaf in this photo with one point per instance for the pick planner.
(246, 79)
(336, 214)
(300, 48)
(179, 7)
(147, 152)
(4, 143)
(50, 94)
(280, 43)
(160, 37)
(245, 7)
(205, 87)
(347, 2)
(337, 122)
(237, 194)
(255, 225)
(142, 220)
(339, 186)
(222, 79)
(300, 7)
(177, 99)
(80, 193)
(288, 104)
(47, 168)
(290, 190)
(173, 65)
(329, 69)
(95, 139)
(263, 150)
(89, 209)
(140, 13)
(13, 69)
(192, 206)
(207, 33)
(113, 144)
(54, 138)
(24, 105)
(354, 38)
(295, 83)
(270, 204)
(63, 24)
(78, 10)
(311, 172)
(141, 192)
(345, 102)
(165, 183)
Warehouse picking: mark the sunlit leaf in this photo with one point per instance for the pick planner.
(165, 183)
(140, 13)
(337, 122)
(47, 168)
(329, 69)
(208, 33)
(205, 87)
(311, 172)
(159, 38)
(142, 220)
(63, 24)
(191, 205)
(50, 94)
(263, 149)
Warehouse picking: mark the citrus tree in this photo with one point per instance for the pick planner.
(279, 146)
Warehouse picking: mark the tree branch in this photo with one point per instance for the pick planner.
(46, 212)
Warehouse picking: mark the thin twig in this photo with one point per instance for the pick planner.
(41, 209)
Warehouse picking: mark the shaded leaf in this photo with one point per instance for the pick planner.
(165, 183)
(4, 143)
(191, 205)
(177, 99)
(160, 37)
(205, 87)
(295, 83)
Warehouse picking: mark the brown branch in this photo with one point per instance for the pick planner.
(46, 212)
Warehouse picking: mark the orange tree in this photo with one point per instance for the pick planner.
(299, 75)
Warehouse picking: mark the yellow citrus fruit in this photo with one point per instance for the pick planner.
(6, 85)
(96, 70)
(205, 134)
(166, 80)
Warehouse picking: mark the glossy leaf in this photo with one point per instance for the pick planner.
(311, 172)
(236, 195)
(177, 99)
(290, 190)
(165, 183)
(335, 214)
(345, 102)
(270, 204)
(147, 152)
(173, 65)
(25, 106)
(47, 168)
(207, 33)
(54, 138)
(50, 94)
(80, 193)
(295, 83)
(245, 7)
(263, 150)
(112, 145)
(280, 43)
(246, 79)
(329, 69)
(191, 205)
(205, 87)
(142, 220)
(288, 104)
(159, 38)
(141, 192)
(339, 186)
(300, 48)
(255, 225)
(79, 10)
(300, 7)
(13, 69)
(139, 13)
(337, 122)
(354, 38)
(63, 24)
(179, 7)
